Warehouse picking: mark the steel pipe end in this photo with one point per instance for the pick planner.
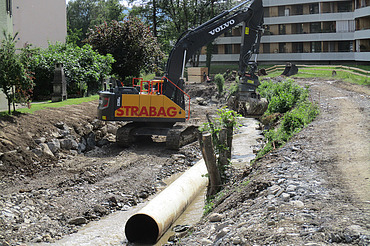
(142, 229)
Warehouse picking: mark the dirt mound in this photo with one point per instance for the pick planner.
(21, 133)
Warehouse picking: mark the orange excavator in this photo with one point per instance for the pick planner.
(161, 107)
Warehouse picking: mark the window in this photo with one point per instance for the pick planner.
(266, 12)
(215, 49)
(315, 47)
(297, 47)
(314, 8)
(282, 47)
(266, 48)
(282, 29)
(315, 27)
(345, 46)
(298, 28)
(329, 26)
(228, 33)
(281, 10)
(228, 48)
(297, 9)
(345, 6)
(287, 12)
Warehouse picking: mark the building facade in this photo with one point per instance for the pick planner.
(39, 22)
(6, 25)
(6, 15)
(307, 31)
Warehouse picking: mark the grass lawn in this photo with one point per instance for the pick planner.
(314, 72)
(42, 105)
(311, 72)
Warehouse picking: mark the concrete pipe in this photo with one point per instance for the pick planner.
(151, 222)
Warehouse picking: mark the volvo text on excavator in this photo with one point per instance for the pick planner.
(160, 107)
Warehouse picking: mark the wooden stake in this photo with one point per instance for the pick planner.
(223, 157)
(211, 164)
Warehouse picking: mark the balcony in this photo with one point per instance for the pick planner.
(311, 37)
(327, 56)
(309, 18)
(362, 34)
(283, 57)
(362, 12)
(272, 3)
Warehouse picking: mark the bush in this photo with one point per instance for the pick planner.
(220, 82)
(282, 96)
(83, 68)
(299, 112)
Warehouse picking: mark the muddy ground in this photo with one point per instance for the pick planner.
(61, 168)
(313, 191)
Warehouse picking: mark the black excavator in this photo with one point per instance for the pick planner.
(160, 107)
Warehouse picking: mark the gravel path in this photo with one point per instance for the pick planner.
(313, 191)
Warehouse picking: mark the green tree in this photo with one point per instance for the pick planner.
(85, 14)
(150, 13)
(15, 81)
(83, 67)
(131, 43)
(168, 19)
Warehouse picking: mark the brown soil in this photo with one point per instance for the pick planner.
(44, 198)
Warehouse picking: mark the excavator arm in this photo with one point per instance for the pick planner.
(157, 107)
(250, 13)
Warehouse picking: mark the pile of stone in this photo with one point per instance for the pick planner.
(75, 140)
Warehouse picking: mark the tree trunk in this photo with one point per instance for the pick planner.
(155, 18)
(209, 51)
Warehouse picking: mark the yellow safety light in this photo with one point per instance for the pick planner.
(247, 31)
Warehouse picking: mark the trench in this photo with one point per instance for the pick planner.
(110, 230)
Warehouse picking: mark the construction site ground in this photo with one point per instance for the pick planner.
(313, 191)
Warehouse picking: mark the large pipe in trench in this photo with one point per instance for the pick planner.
(152, 221)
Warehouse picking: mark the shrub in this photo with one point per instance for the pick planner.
(282, 96)
(292, 100)
(83, 68)
(220, 82)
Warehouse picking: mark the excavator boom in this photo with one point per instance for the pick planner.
(250, 13)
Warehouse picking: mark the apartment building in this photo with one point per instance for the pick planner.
(307, 31)
(6, 25)
(39, 21)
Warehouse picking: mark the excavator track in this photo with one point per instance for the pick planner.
(180, 136)
(124, 137)
(176, 136)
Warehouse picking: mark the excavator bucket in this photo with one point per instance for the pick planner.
(290, 69)
(248, 102)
